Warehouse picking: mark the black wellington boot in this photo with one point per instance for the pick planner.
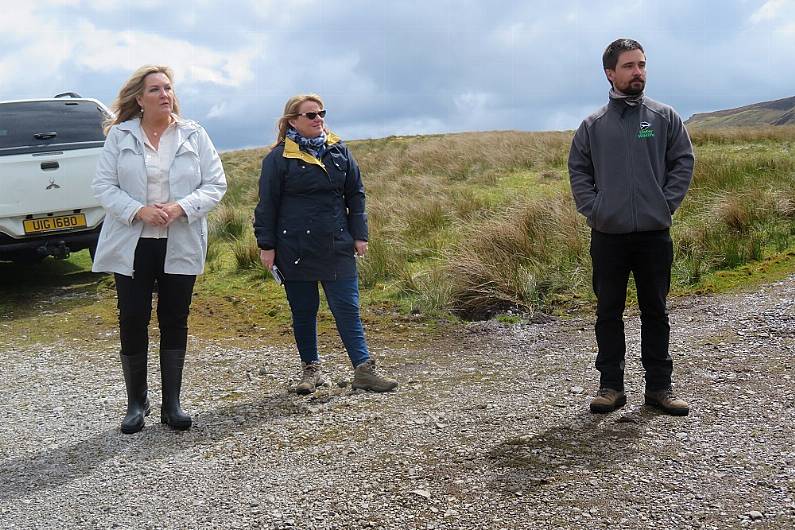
(134, 367)
(171, 363)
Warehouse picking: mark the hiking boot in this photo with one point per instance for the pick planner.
(311, 377)
(666, 401)
(608, 400)
(366, 377)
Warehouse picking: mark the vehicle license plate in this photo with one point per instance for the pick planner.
(55, 224)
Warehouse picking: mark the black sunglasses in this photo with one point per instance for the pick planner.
(312, 115)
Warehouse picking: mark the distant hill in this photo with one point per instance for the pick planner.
(778, 112)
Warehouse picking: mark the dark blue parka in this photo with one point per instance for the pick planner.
(311, 211)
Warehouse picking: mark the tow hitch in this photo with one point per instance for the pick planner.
(56, 249)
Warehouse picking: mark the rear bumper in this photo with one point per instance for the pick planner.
(74, 241)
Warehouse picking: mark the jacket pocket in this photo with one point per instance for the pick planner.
(343, 242)
(597, 202)
(303, 178)
(337, 165)
(202, 230)
(304, 239)
(316, 239)
(131, 172)
(652, 208)
(288, 244)
(185, 175)
(187, 247)
(613, 212)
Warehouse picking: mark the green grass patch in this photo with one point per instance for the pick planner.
(773, 268)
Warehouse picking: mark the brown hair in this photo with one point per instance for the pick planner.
(615, 49)
(126, 107)
(290, 112)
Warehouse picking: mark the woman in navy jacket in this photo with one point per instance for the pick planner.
(310, 225)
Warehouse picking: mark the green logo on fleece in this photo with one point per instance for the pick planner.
(645, 130)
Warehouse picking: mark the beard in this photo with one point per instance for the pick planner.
(634, 87)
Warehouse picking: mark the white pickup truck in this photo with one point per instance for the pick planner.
(48, 155)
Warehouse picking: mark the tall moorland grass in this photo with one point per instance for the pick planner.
(477, 222)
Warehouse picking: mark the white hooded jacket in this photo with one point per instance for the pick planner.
(196, 181)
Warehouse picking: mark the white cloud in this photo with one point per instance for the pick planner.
(778, 14)
(98, 49)
(472, 102)
(398, 127)
(279, 13)
(217, 111)
(20, 21)
(771, 10)
(400, 67)
(107, 6)
(42, 48)
(36, 51)
(570, 118)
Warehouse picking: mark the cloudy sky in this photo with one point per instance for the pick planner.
(399, 67)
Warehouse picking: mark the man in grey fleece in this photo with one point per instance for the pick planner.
(630, 166)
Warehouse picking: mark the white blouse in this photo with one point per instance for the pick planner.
(158, 162)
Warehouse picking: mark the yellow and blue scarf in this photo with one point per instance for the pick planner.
(314, 146)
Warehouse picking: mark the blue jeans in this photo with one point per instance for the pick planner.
(343, 300)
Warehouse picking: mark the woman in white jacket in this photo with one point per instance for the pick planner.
(157, 178)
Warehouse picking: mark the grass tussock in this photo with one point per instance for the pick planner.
(520, 259)
(229, 222)
(475, 223)
(246, 252)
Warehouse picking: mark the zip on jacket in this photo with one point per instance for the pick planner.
(630, 167)
(196, 182)
(311, 211)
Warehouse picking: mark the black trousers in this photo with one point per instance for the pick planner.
(174, 292)
(648, 256)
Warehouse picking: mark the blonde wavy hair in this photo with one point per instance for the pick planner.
(125, 106)
(291, 112)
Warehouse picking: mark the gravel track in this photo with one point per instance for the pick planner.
(489, 429)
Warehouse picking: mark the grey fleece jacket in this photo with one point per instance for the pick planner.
(630, 167)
